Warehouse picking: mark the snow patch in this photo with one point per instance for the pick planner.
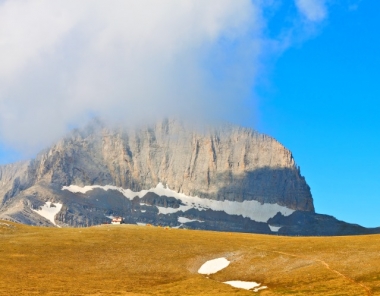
(166, 211)
(274, 228)
(126, 192)
(251, 209)
(242, 284)
(141, 224)
(213, 266)
(186, 220)
(260, 288)
(49, 210)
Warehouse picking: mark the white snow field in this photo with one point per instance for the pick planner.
(251, 209)
(213, 266)
(274, 228)
(242, 284)
(48, 211)
(187, 220)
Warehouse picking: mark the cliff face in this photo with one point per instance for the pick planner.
(223, 164)
(13, 179)
(230, 163)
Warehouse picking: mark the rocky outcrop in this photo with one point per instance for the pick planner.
(231, 163)
(311, 224)
(228, 163)
(13, 179)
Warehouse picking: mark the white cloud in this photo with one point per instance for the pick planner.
(63, 61)
(313, 10)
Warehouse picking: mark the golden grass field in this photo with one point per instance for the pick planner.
(142, 260)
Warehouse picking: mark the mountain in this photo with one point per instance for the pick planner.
(175, 174)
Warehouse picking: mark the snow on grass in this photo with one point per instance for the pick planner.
(251, 209)
(260, 288)
(141, 224)
(186, 220)
(274, 228)
(243, 285)
(213, 266)
(49, 210)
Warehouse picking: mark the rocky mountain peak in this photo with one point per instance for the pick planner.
(223, 164)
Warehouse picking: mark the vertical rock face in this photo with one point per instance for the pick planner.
(13, 179)
(228, 163)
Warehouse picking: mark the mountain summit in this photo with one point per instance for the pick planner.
(228, 178)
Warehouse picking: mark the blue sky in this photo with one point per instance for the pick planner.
(322, 102)
(305, 72)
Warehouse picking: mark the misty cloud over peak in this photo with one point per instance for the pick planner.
(64, 62)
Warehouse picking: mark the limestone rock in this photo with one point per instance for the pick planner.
(226, 163)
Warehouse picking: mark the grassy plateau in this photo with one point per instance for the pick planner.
(146, 260)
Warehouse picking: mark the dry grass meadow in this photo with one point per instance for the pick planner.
(143, 260)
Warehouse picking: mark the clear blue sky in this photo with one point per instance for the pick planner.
(319, 95)
(323, 103)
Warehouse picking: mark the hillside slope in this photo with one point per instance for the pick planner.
(135, 260)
